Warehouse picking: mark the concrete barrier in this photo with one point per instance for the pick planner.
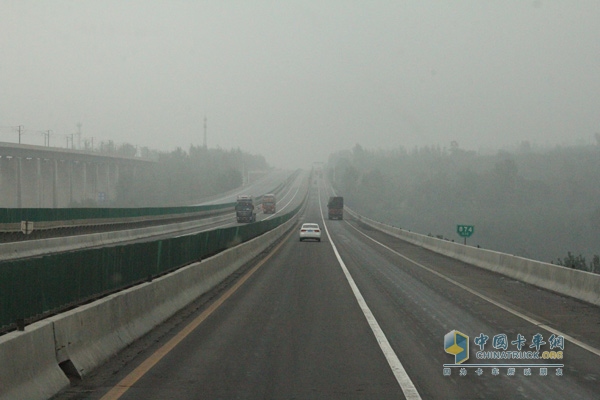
(89, 335)
(581, 285)
(34, 248)
(28, 367)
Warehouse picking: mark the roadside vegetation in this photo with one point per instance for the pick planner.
(534, 203)
(578, 262)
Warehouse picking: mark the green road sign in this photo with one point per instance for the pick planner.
(465, 230)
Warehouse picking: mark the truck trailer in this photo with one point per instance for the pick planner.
(244, 209)
(335, 208)
(269, 203)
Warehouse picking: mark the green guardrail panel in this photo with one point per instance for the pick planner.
(33, 287)
(15, 215)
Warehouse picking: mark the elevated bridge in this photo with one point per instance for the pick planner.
(50, 177)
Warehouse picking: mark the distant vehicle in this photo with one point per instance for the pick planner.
(244, 209)
(335, 208)
(269, 203)
(310, 231)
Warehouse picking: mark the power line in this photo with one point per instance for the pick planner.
(79, 135)
(20, 129)
(47, 137)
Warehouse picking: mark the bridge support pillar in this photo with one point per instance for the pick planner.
(55, 184)
(18, 178)
(39, 182)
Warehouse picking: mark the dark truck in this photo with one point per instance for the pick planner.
(335, 207)
(244, 209)
(268, 203)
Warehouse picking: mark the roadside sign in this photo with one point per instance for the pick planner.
(27, 227)
(465, 230)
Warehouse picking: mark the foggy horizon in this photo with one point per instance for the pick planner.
(297, 81)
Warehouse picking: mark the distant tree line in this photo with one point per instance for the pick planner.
(578, 262)
(122, 149)
(529, 202)
(185, 177)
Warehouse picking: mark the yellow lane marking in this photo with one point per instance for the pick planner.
(117, 391)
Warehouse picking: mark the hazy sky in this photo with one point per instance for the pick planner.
(295, 80)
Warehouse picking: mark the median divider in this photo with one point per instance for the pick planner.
(578, 284)
(33, 248)
(28, 367)
(82, 339)
(89, 335)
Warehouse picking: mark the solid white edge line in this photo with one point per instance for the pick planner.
(497, 304)
(408, 388)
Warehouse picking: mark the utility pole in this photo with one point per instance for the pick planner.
(79, 135)
(47, 138)
(205, 132)
(20, 129)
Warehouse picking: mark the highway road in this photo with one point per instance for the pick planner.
(360, 315)
(268, 182)
(262, 185)
(289, 197)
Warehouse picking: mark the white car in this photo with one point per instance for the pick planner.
(310, 231)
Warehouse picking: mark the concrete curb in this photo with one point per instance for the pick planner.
(581, 285)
